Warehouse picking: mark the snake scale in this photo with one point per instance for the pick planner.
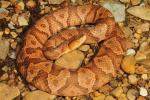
(49, 39)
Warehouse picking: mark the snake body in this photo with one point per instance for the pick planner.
(49, 39)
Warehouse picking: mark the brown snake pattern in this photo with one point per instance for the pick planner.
(42, 45)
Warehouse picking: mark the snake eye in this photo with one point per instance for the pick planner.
(43, 25)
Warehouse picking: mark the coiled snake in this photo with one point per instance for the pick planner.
(42, 46)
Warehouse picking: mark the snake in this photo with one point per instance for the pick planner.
(51, 37)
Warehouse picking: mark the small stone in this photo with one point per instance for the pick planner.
(1, 34)
(143, 91)
(71, 60)
(130, 52)
(133, 79)
(31, 4)
(144, 76)
(11, 25)
(14, 34)
(141, 70)
(4, 49)
(55, 1)
(84, 47)
(128, 64)
(7, 30)
(5, 68)
(125, 1)
(140, 11)
(3, 13)
(19, 6)
(109, 98)
(141, 82)
(98, 96)
(131, 94)
(140, 56)
(4, 4)
(106, 89)
(8, 92)
(22, 21)
(143, 27)
(117, 91)
(141, 98)
(137, 36)
(14, 45)
(4, 77)
(117, 9)
(12, 55)
(135, 2)
(122, 97)
(127, 31)
(38, 95)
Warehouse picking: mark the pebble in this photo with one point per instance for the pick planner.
(143, 91)
(22, 21)
(5, 68)
(125, 1)
(11, 25)
(4, 4)
(117, 91)
(19, 6)
(109, 98)
(4, 77)
(13, 45)
(135, 2)
(130, 52)
(133, 79)
(84, 47)
(8, 92)
(38, 95)
(106, 89)
(117, 9)
(141, 70)
(143, 27)
(127, 31)
(132, 94)
(7, 31)
(71, 60)
(122, 97)
(97, 96)
(4, 48)
(128, 64)
(144, 76)
(14, 34)
(3, 13)
(141, 98)
(140, 11)
(31, 4)
(55, 1)
(140, 56)
(12, 55)
(137, 35)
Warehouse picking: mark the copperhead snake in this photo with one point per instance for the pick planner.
(43, 44)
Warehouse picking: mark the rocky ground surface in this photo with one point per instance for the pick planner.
(131, 83)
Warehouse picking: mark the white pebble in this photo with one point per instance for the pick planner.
(143, 91)
(130, 52)
(22, 21)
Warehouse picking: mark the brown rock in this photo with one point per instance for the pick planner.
(71, 60)
(140, 11)
(8, 92)
(132, 94)
(117, 91)
(38, 95)
(128, 64)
